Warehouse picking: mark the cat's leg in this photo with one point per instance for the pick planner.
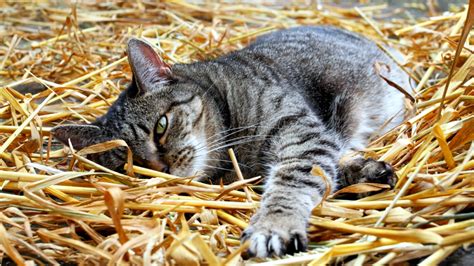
(357, 169)
(353, 168)
(300, 142)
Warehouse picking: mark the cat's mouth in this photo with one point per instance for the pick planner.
(154, 164)
(183, 167)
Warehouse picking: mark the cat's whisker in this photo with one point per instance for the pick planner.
(232, 130)
(215, 144)
(219, 160)
(235, 128)
(200, 147)
(216, 168)
(228, 161)
(248, 140)
(233, 139)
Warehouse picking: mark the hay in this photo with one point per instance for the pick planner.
(57, 206)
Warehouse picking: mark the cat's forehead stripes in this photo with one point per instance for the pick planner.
(144, 128)
(177, 103)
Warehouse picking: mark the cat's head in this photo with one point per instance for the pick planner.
(162, 119)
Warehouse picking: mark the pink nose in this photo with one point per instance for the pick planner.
(158, 166)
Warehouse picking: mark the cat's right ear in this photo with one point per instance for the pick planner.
(147, 66)
(80, 136)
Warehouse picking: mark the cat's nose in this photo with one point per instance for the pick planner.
(159, 166)
(166, 169)
(163, 167)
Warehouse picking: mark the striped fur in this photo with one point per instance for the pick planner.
(291, 100)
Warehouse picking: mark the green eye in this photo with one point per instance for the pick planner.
(162, 125)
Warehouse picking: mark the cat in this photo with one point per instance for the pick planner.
(293, 99)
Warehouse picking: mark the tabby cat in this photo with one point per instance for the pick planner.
(291, 100)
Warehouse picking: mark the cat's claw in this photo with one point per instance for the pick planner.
(275, 236)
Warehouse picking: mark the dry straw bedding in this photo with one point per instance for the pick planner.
(56, 206)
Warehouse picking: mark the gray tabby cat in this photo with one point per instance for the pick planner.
(293, 99)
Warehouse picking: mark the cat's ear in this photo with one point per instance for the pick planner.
(80, 135)
(147, 66)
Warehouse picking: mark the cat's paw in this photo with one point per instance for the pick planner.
(275, 235)
(361, 170)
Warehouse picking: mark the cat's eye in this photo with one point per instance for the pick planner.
(161, 126)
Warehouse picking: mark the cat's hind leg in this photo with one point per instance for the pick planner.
(357, 169)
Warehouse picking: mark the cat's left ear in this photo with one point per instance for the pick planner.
(147, 66)
(80, 136)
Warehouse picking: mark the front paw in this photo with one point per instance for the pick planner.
(275, 235)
